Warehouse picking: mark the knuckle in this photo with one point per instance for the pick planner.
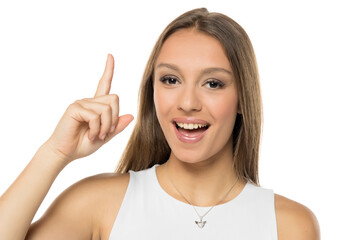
(73, 106)
(95, 117)
(114, 97)
(82, 101)
(77, 102)
(107, 108)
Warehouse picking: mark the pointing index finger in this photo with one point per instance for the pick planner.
(104, 85)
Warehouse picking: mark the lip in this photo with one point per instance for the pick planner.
(190, 120)
(187, 139)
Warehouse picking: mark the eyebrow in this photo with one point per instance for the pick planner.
(205, 71)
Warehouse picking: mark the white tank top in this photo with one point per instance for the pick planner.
(148, 212)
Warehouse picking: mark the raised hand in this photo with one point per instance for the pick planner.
(89, 123)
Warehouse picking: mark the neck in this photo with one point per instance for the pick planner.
(203, 183)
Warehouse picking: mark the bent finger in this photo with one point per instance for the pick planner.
(113, 101)
(105, 112)
(82, 114)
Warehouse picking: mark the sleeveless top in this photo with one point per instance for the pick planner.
(148, 212)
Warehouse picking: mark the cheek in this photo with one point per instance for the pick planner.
(163, 102)
(224, 108)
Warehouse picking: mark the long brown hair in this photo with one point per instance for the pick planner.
(147, 145)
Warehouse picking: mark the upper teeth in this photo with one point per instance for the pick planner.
(191, 125)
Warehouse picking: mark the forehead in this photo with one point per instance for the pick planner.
(189, 48)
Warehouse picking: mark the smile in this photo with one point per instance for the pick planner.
(190, 125)
(190, 131)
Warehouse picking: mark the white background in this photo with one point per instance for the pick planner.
(52, 53)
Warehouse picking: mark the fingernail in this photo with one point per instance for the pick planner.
(102, 137)
(112, 128)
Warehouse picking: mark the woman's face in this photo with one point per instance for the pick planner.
(195, 96)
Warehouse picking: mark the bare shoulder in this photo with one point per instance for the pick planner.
(111, 189)
(295, 221)
(85, 210)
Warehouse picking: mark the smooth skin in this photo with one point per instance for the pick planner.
(88, 209)
(201, 170)
(86, 125)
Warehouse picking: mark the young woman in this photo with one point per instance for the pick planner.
(190, 170)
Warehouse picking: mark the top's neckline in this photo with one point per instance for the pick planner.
(229, 203)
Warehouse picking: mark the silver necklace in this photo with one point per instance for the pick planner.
(200, 223)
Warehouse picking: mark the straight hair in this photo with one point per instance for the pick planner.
(147, 145)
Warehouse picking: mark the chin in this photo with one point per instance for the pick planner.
(190, 156)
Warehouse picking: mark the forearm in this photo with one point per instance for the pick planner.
(19, 204)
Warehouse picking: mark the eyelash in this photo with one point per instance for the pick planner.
(166, 79)
(220, 84)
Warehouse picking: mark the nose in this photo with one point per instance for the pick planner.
(189, 100)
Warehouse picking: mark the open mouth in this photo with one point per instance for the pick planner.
(190, 132)
(191, 127)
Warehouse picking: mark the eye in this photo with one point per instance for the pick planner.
(169, 80)
(214, 84)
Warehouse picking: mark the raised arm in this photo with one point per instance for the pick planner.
(86, 125)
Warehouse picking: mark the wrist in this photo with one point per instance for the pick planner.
(49, 153)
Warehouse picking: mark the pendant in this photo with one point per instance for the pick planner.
(200, 224)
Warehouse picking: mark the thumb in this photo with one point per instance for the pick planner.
(123, 122)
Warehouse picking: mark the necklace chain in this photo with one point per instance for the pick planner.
(201, 217)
